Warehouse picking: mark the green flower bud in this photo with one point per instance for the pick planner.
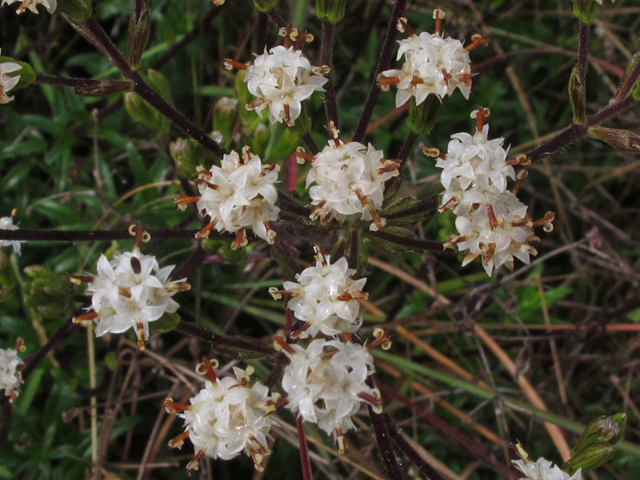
(78, 10)
(285, 145)
(302, 124)
(7, 280)
(166, 323)
(187, 155)
(423, 116)
(586, 10)
(26, 73)
(48, 293)
(142, 112)
(99, 88)
(331, 10)
(139, 29)
(260, 141)
(619, 139)
(224, 116)
(628, 85)
(231, 256)
(592, 457)
(577, 95)
(265, 5)
(602, 430)
(250, 119)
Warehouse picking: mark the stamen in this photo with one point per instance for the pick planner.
(438, 15)
(231, 64)
(447, 76)
(78, 279)
(480, 114)
(137, 232)
(342, 448)
(433, 152)
(178, 287)
(140, 335)
(334, 132)
(246, 154)
(301, 154)
(182, 202)
(20, 345)
(357, 295)
(12, 395)
(378, 222)
(520, 177)
(206, 367)
(195, 463)
(370, 399)
(287, 114)
(178, 441)
(318, 209)
(319, 256)
(477, 40)
(271, 234)
(493, 221)
(202, 181)
(204, 233)
(203, 172)
(280, 343)
(385, 82)
(381, 339)
(85, 317)
(240, 240)
(255, 104)
(302, 331)
(346, 337)
(546, 221)
(172, 407)
(403, 27)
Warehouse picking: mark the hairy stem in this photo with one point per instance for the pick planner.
(383, 64)
(94, 235)
(382, 437)
(583, 51)
(407, 147)
(94, 33)
(573, 132)
(244, 343)
(330, 103)
(310, 143)
(307, 474)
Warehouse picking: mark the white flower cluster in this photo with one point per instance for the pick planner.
(543, 470)
(50, 5)
(130, 291)
(6, 223)
(281, 80)
(10, 378)
(7, 82)
(325, 298)
(493, 224)
(432, 65)
(325, 384)
(238, 195)
(228, 416)
(349, 179)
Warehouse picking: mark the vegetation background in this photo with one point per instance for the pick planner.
(569, 322)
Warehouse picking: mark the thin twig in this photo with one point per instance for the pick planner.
(330, 103)
(307, 474)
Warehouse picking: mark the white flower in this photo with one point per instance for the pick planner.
(433, 65)
(8, 82)
(543, 470)
(6, 223)
(325, 384)
(349, 180)
(281, 80)
(228, 416)
(239, 195)
(10, 378)
(326, 298)
(50, 5)
(130, 291)
(492, 223)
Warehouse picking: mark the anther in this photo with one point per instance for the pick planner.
(476, 41)
(438, 15)
(302, 156)
(204, 233)
(241, 239)
(231, 64)
(178, 441)
(280, 343)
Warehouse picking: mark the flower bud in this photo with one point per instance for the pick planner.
(229, 255)
(265, 5)
(187, 155)
(224, 116)
(592, 457)
(608, 430)
(99, 88)
(577, 95)
(77, 10)
(166, 323)
(7, 280)
(139, 29)
(586, 10)
(302, 124)
(330, 10)
(26, 73)
(423, 116)
(628, 85)
(260, 141)
(48, 293)
(284, 146)
(142, 112)
(619, 139)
